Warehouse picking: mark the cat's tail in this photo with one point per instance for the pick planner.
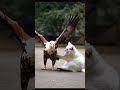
(63, 68)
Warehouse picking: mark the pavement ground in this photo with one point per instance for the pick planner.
(56, 79)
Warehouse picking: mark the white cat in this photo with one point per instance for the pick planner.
(74, 60)
(99, 74)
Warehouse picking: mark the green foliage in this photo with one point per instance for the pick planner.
(51, 17)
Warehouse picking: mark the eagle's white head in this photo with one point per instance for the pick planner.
(50, 47)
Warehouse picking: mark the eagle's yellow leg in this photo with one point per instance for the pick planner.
(53, 68)
(45, 67)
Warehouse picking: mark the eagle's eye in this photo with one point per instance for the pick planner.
(56, 46)
(66, 30)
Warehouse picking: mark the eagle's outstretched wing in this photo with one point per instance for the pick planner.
(41, 37)
(27, 68)
(73, 21)
(21, 34)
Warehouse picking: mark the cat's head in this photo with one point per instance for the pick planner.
(89, 52)
(70, 49)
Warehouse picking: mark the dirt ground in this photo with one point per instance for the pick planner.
(56, 79)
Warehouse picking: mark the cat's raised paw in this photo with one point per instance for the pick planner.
(83, 70)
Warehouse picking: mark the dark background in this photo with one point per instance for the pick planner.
(21, 11)
(103, 22)
(102, 29)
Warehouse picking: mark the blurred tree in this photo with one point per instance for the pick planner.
(51, 17)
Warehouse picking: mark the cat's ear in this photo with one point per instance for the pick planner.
(69, 43)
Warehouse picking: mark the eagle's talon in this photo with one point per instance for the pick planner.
(53, 69)
(43, 68)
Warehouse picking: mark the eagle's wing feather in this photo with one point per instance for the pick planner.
(73, 21)
(21, 34)
(41, 37)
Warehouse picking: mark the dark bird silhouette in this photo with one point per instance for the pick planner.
(27, 64)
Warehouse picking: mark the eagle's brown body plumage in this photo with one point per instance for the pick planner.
(52, 57)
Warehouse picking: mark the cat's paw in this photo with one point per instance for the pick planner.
(83, 70)
(57, 57)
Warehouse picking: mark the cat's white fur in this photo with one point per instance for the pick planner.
(74, 60)
(99, 74)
